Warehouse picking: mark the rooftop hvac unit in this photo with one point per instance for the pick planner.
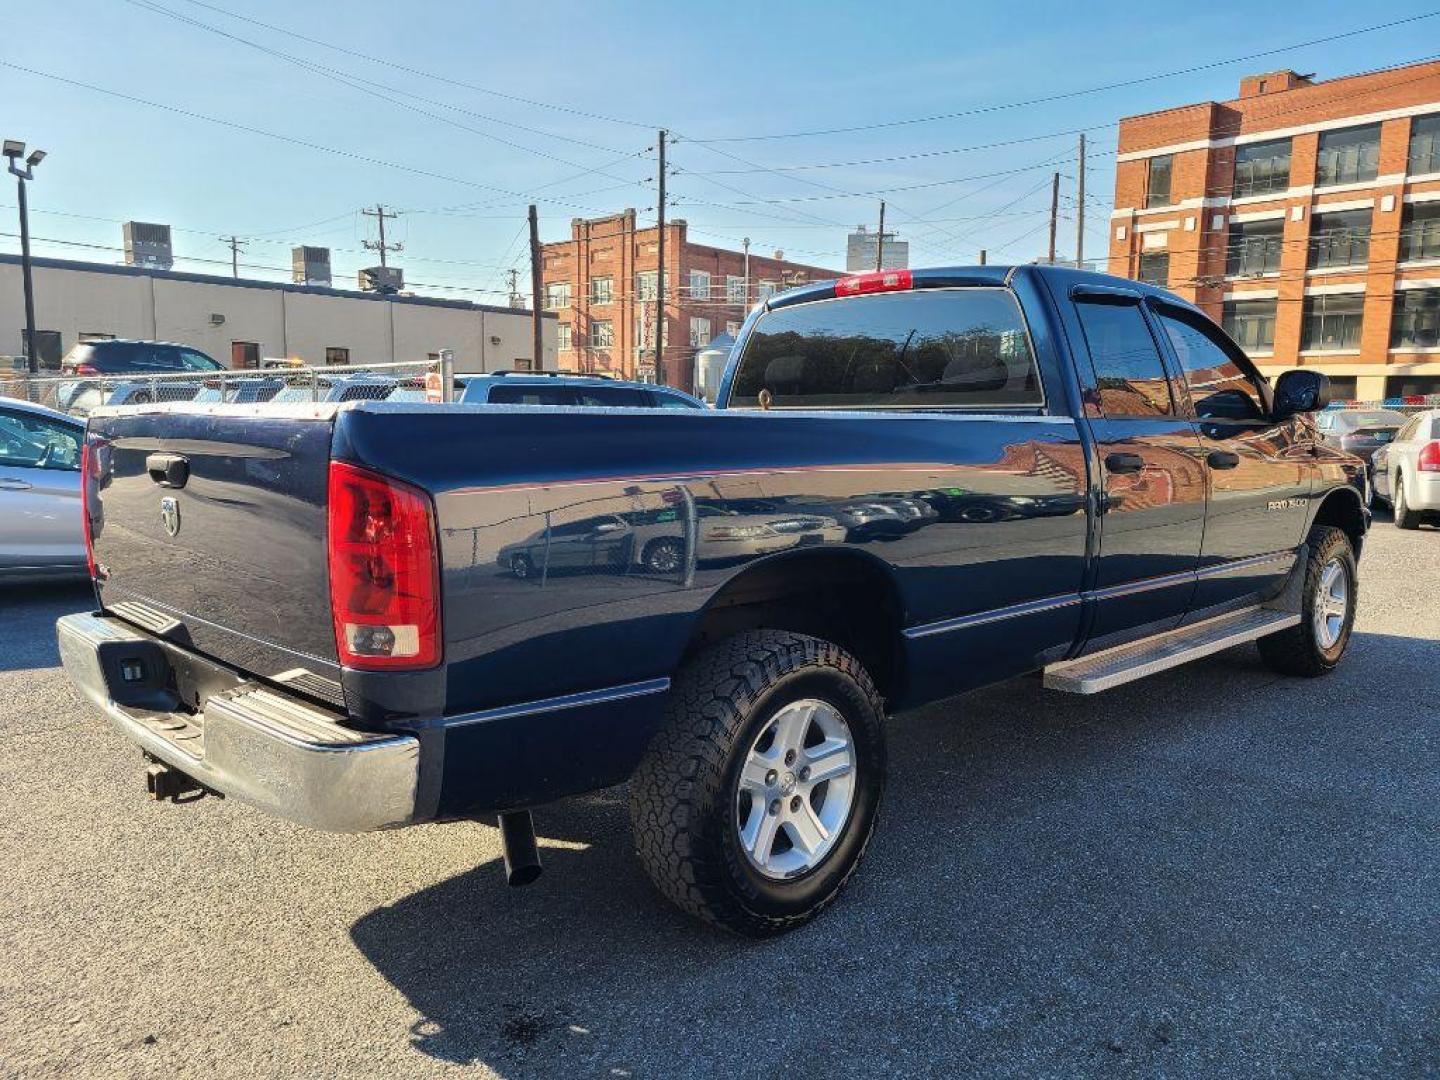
(310, 265)
(148, 245)
(382, 279)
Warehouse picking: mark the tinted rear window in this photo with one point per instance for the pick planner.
(929, 349)
(531, 395)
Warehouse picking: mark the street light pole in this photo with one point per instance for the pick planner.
(13, 150)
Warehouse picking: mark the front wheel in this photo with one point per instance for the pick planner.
(1327, 610)
(755, 802)
(1405, 518)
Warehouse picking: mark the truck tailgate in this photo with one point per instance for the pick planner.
(209, 528)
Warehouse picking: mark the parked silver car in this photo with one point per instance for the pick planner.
(1407, 471)
(41, 536)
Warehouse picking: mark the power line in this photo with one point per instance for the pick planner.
(1049, 98)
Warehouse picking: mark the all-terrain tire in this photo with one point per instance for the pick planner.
(683, 796)
(1298, 650)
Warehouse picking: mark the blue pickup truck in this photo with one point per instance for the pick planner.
(314, 607)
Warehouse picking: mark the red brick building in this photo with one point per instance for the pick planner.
(602, 283)
(1303, 215)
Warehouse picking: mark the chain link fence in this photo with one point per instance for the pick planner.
(79, 394)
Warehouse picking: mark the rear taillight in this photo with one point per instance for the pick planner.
(877, 281)
(86, 369)
(384, 571)
(1429, 457)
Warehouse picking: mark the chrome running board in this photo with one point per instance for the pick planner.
(1126, 663)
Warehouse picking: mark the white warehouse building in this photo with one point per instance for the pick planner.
(242, 322)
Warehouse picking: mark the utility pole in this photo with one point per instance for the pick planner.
(535, 289)
(1080, 207)
(235, 244)
(514, 287)
(380, 214)
(880, 240)
(747, 278)
(1054, 213)
(660, 275)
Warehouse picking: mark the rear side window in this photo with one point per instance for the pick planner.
(929, 349)
(672, 401)
(531, 395)
(1128, 371)
(1219, 387)
(612, 397)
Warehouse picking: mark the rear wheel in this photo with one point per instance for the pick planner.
(1405, 518)
(1327, 613)
(756, 800)
(521, 566)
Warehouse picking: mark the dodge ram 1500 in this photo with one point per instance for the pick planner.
(369, 614)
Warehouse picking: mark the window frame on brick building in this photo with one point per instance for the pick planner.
(699, 331)
(602, 289)
(1147, 273)
(1353, 156)
(1253, 248)
(735, 289)
(564, 337)
(1258, 173)
(1340, 238)
(647, 283)
(1154, 194)
(1251, 323)
(699, 283)
(1424, 152)
(602, 334)
(1420, 240)
(1415, 323)
(557, 295)
(1340, 314)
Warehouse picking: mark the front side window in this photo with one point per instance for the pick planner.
(1154, 268)
(28, 441)
(557, 295)
(1254, 247)
(923, 349)
(1332, 322)
(1416, 324)
(1340, 239)
(1157, 180)
(1425, 145)
(699, 285)
(1220, 388)
(1420, 233)
(1349, 156)
(1251, 323)
(602, 334)
(1262, 168)
(602, 290)
(1129, 374)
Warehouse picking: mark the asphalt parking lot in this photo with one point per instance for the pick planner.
(1216, 872)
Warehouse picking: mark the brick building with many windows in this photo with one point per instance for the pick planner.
(1304, 216)
(603, 285)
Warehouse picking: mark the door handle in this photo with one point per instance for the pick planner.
(1124, 463)
(14, 483)
(1222, 459)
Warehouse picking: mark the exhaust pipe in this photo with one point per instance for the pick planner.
(517, 845)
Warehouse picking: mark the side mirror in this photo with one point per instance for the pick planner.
(1301, 391)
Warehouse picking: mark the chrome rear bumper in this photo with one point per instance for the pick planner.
(263, 747)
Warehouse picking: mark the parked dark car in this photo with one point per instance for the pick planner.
(1359, 431)
(117, 357)
(317, 608)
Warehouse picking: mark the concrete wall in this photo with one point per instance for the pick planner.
(284, 322)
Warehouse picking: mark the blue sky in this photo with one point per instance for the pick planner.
(706, 72)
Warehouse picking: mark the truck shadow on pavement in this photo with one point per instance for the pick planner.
(1129, 881)
(27, 621)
